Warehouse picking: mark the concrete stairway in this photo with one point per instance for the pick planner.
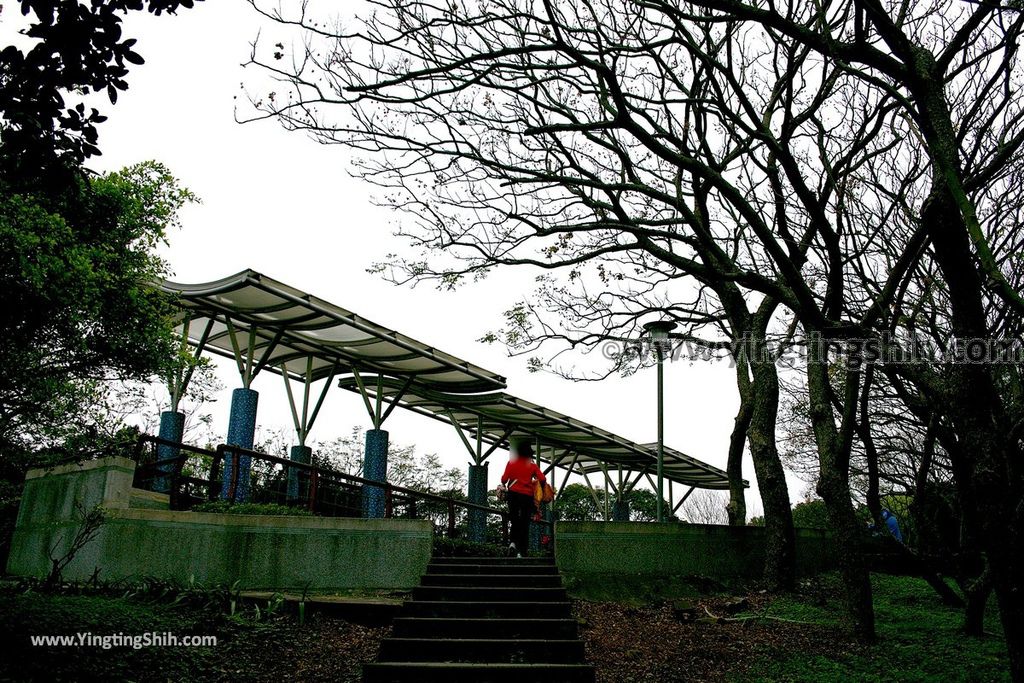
(484, 619)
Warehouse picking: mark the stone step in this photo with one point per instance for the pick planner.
(488, 594)
(447, 627)
(494, 560)
(463, 568)
(486, 610)
(494, 580)
(491, 650)
(417, 672)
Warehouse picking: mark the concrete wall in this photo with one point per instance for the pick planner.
(718, 552)
(140, 539)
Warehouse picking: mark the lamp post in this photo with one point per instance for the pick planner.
(658, 331)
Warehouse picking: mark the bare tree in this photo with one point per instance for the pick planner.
(759, 152)
(704, 507)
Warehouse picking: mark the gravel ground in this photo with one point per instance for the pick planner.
(325, 649)
(681, 642)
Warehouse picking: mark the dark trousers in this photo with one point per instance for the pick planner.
(520, 510)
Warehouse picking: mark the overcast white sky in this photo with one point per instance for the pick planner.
(283, 205)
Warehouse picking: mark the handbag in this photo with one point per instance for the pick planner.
(542, 492)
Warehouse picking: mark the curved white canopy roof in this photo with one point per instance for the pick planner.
(499, 417)
(265, 324)
(283, 329)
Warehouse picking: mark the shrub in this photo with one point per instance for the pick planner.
(227, 507)
(457, 547)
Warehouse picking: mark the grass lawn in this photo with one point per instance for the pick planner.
(918, 639)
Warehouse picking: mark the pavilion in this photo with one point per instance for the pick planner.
(266, 325)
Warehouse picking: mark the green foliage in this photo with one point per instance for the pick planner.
(457, 547)
(75, 47)
(406, 467)
(807, 514)
(643, 506)
(576, 504)
(810, 514)
(919, 639)
(228, 508)
(77, 301)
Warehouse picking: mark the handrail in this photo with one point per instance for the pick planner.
(172, 444)
(359, 480)
(315, 477)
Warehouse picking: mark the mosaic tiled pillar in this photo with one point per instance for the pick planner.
(478, 494)
(241, 432)
(298, 480)
(375, 468)
(172, 428)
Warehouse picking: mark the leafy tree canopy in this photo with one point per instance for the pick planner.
(79, 48)
(76, 301)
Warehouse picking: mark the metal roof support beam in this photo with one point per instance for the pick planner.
(473, 450)
(683, 499)
(479, 439)
(609, 484)
(393, 401)
(497, 444)
(177, 382)
(265, 357)
(553, 460)
(569, 469)
(245, 361)
(552, 470)
(377, 421)
(366, 398)
(593, 494)
(609, 488)
(304, 421)
(632, 485)
(375, 408)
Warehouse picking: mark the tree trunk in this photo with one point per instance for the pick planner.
(737, 507)
(834, 488)
(991, 480)
(977, 593)
(874, 500)
(780, 537)
(749, 334)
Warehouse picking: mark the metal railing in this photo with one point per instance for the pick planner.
(191, 475)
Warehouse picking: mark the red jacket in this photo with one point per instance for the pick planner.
(522, 472)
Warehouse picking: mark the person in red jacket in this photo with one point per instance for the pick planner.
(520, 474)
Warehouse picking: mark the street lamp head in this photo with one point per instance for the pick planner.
(658, 330)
